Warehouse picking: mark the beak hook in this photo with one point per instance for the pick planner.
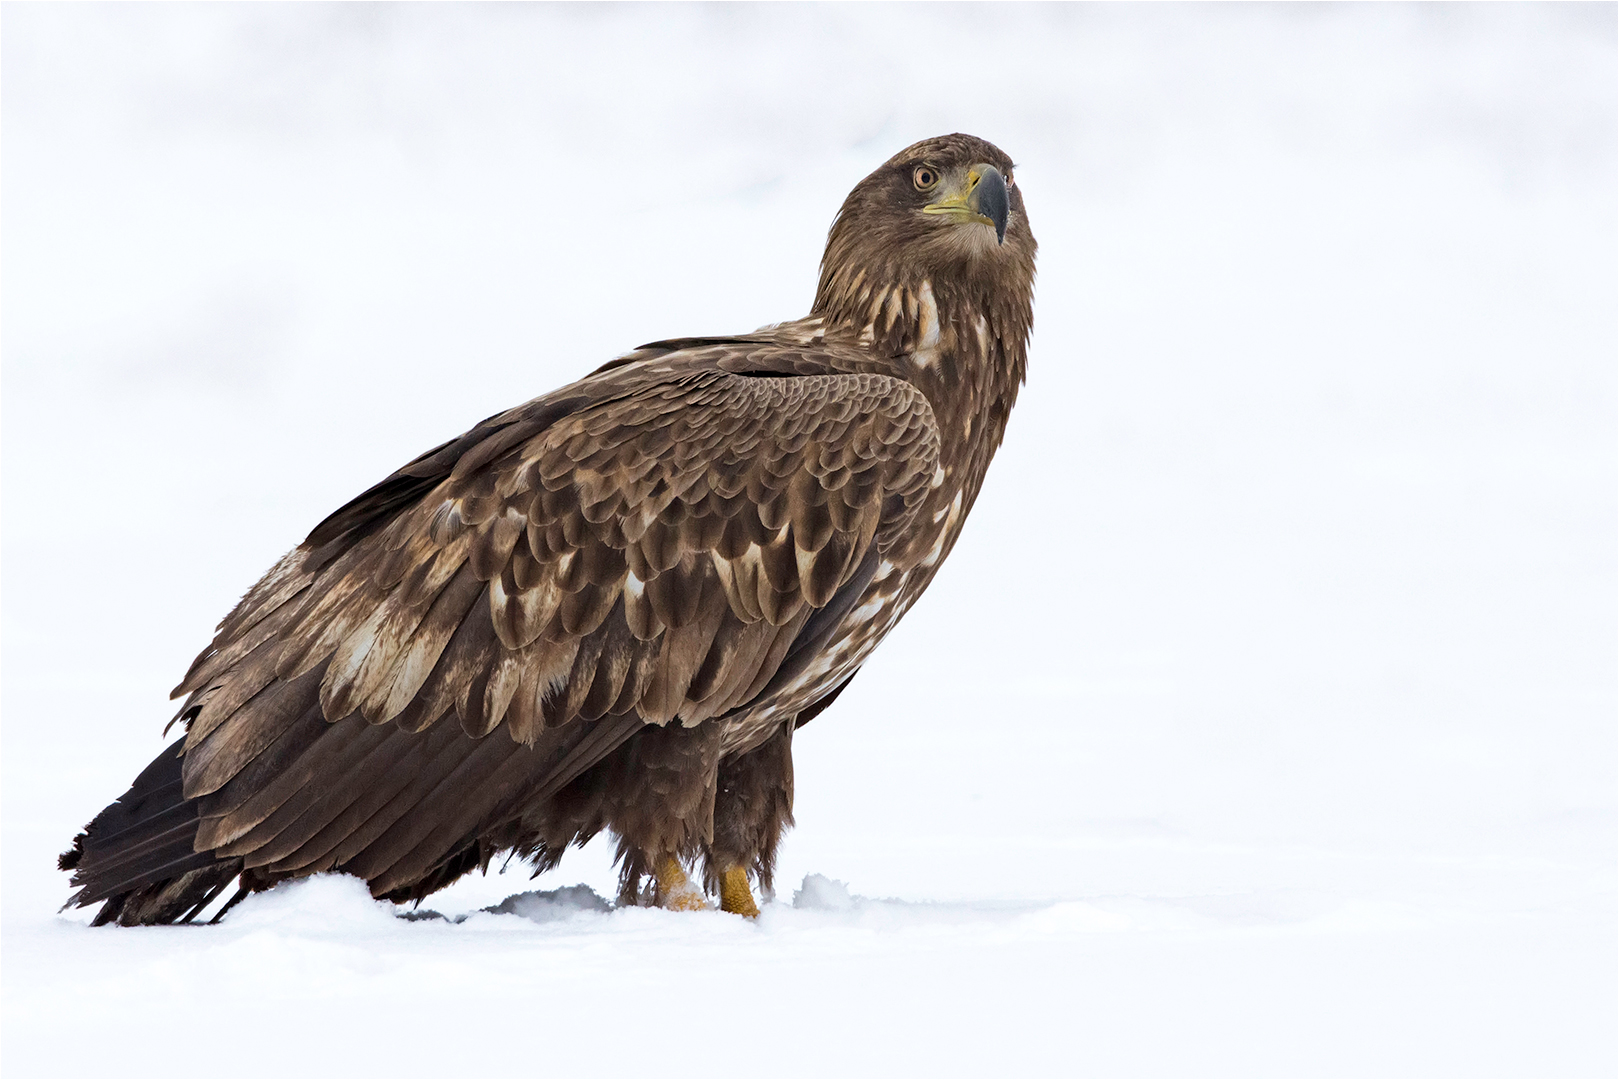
(990, 198)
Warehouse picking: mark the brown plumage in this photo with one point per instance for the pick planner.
(610, 607)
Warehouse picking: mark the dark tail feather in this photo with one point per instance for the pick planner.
(137, 858)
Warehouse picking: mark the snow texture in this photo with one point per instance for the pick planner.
(1298, 760)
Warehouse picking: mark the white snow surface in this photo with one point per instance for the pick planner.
(1261, 724)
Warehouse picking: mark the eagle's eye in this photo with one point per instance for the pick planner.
(1009, 178)
(924, 177)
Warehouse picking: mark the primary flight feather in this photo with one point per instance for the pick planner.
(610, 607)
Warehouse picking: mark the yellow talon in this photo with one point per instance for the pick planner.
(735, 896)
(675, 890)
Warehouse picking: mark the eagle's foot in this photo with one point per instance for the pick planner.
(735, 895)
(676, 891)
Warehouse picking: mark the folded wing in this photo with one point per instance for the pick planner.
(568, 572)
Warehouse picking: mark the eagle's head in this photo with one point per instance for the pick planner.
(946, 211)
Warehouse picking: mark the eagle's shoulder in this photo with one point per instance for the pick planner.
(787, 349)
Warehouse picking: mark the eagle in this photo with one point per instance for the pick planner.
(609, 608)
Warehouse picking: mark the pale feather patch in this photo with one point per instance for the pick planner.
(877, 300)
(928, 326)
(944, 534)
(869, 610)
(929, 315)
(895, 307)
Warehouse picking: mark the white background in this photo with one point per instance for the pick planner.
(1262, 723)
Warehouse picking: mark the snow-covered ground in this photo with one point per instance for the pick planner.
(1263, 723)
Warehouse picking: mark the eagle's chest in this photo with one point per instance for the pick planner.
(882, 605)
(970, 411)
(897, 584)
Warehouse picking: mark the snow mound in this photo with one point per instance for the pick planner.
(314, 905)
(821, 893)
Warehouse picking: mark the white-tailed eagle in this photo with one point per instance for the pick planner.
(610, 607)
